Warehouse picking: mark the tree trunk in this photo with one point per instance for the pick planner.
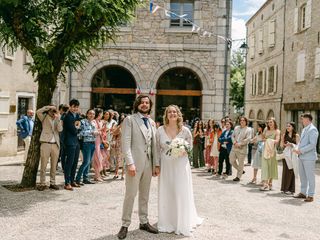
(46, 85)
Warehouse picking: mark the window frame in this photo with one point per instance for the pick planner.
(182, 23)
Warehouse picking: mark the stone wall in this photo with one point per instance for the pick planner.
(261, 61)
(149, 46)
(14, 83)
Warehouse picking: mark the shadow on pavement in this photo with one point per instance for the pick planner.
(292, 201)
(16, 203)
(228, 181)
(279, 194)
(138, 234)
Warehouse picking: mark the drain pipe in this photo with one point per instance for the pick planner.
(226, 57)
(70, 78)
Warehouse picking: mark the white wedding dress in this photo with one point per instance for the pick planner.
(177, 212)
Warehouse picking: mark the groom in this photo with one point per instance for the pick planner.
(138, 144)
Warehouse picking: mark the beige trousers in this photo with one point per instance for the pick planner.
(48, 151)
(140, 182)
(233, 157)
(27, 141)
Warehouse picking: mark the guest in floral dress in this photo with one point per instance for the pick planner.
(88, 134)
(98, 156)
(116, 144)
(208, 145)
(110, 124)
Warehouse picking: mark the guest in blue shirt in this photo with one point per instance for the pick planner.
(88, 135)
(25, 126)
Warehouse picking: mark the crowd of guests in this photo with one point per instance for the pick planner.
(66, 133)
(217, 145)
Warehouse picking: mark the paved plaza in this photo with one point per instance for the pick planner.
(231, 211)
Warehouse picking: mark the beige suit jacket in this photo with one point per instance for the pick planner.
(49, 128)
(134, 142)
(242, 137)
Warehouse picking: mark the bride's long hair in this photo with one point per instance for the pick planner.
(179, 119)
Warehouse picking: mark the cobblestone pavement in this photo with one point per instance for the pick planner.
(231, 211)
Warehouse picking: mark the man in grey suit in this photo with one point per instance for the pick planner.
(138, 144)
(307, 151)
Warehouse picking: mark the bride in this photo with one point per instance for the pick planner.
(177, 212)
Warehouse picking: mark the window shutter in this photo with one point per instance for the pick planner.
(308, 13)
(317, 64)
(252, 83)
(300, 66)
(252, 46)
(275, 78)
(296, 20)
(257, 84)
(263, 81)
(272, 33)
(267, 81)
(260, 41)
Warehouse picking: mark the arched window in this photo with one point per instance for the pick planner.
(251, 115)
(260, 116)
(270, 114)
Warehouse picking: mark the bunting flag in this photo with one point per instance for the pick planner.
(155, 9)
(138, 90)
(151, 5)
(151, 91)
(195, 27)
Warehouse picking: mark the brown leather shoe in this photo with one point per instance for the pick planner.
(123, 232)
(75, 185)
(149, 228)
(54, 187)
(68, 187)
(300, 195)
(309, 199)
(41, 187)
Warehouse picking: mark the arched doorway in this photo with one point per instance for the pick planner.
(113, 87)
(182, 87)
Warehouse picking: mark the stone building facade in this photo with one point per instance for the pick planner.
(192, 68)
(17, 94)
(264, 73)
(297, 40)
(161, 56)
(302, 60)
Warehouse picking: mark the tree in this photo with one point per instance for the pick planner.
(58, 34)
(237, 80)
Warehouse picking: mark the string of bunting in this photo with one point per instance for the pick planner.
(153, 8)
(195, 28)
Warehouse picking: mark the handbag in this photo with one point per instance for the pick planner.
(104, 145)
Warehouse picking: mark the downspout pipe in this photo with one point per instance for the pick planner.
(226, 56)
(70, 85)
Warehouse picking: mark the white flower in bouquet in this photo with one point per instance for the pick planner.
(178, 147)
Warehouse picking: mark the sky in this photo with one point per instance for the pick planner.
(242, 11)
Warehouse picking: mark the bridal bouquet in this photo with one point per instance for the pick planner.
(178, 147)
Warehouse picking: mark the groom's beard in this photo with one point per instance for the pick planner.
(143, 111)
